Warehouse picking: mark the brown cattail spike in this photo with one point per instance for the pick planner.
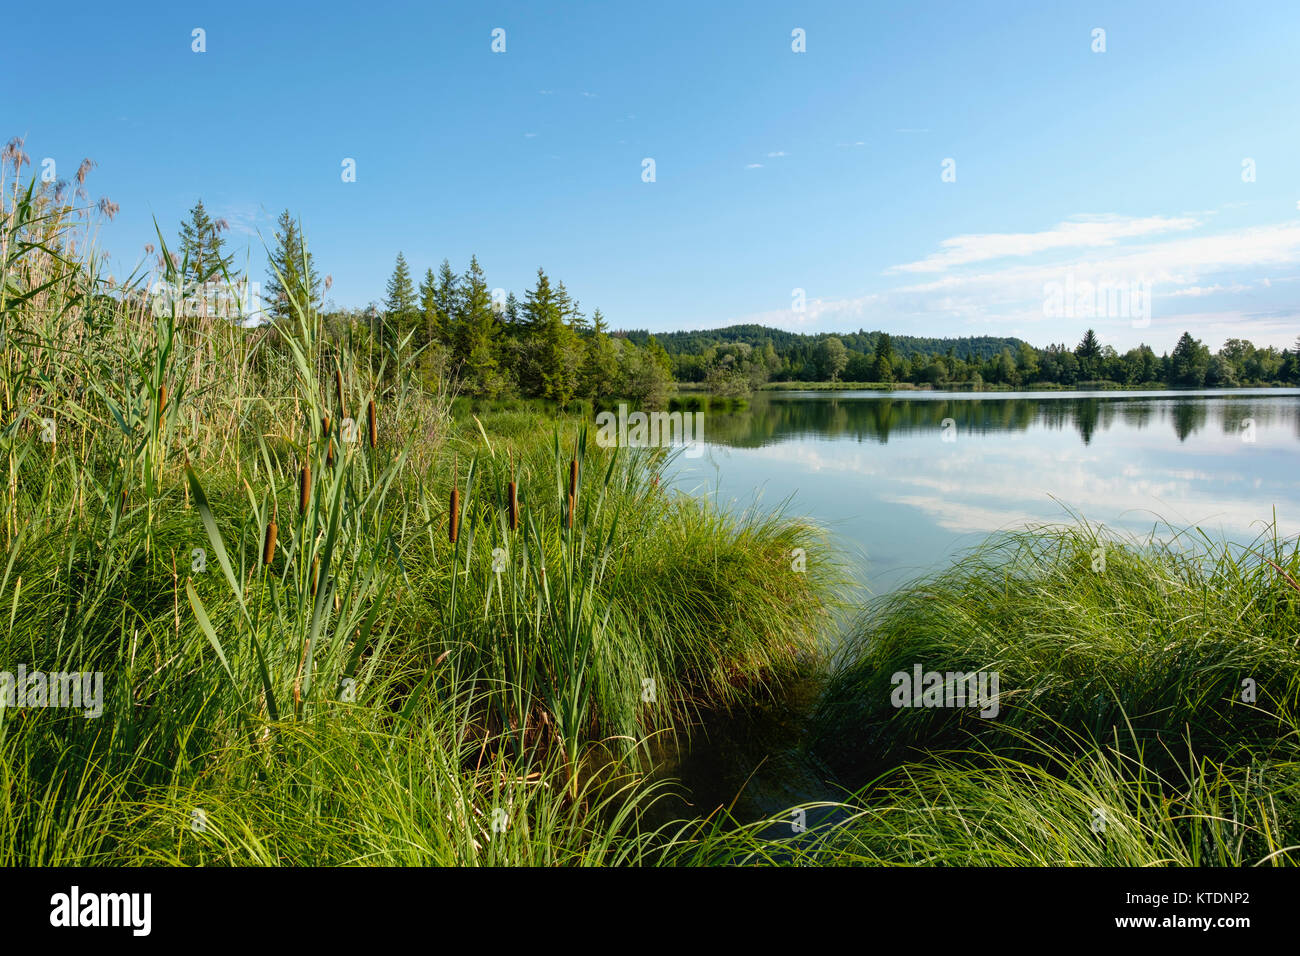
(573, 477)
(268, 545)
(304, 489)
(329, 455)
(453, 525)
(512, 501)
(370, 416)
(570, 519)
(162, 407)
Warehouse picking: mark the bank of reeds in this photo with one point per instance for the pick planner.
(302, 662)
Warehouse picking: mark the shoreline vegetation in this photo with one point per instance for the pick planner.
(339, 623)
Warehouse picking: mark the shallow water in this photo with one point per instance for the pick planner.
(905, 481)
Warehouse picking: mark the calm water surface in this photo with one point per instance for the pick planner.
(906, 480)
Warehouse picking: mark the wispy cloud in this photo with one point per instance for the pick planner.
(1080, 232)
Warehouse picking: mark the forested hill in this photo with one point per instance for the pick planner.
(979, 347)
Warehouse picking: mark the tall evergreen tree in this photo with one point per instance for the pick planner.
(432, 329)
(477, 334)
(447, 301)
(1189, 362)
(1087, 352)
(400, 307)
(291, 274)
(553, 352)
(882, 370)
(202, 248)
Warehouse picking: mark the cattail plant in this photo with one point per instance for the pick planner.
(304, 488)
(453, 525)
(268, 543)
(370, 416)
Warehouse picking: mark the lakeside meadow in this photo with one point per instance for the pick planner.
(344, 616)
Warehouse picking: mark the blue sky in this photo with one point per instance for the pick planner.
(774, 170)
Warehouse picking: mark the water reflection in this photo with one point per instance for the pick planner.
(907, 480)
(773, 417)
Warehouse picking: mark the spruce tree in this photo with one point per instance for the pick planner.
(477, 333)
(553, 347)
(399, 301)
(432, 329)
(203, 259)
(291, 274)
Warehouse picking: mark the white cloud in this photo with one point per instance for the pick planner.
(1080, 232)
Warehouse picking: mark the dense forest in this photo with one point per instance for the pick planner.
(493, 343)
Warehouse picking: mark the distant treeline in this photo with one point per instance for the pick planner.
(741, 357)
(545, 346)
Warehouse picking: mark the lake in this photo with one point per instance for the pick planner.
(905, 481)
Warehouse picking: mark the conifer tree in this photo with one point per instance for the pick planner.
(291, 273)
(399, 301)
(554, 353)
(432, 329)
(477, 334)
